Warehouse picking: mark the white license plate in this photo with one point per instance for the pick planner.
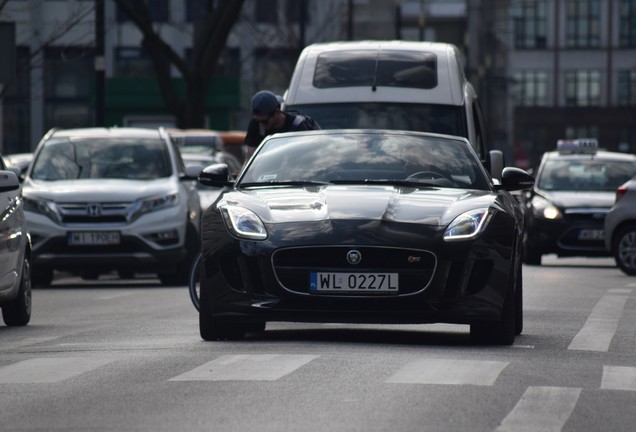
(353, 282)
(591, 234)
(81, 238)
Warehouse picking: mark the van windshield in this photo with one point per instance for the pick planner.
(443, 119)
(359, 68)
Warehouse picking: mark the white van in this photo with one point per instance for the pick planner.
(404, 85)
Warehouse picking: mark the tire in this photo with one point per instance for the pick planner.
(519, 302)
(18, 311)
(500, 332)
(194, 282)
(181, 275)
(212, 329)
(624, 250)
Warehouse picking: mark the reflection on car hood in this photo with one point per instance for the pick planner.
(581, 199)
(105, 190)
(425, 206)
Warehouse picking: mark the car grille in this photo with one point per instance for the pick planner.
(292, 266)
(89, 213)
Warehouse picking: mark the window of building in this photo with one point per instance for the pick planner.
(159, 11)
(68, 87)
(16, 119)
(267, 11)
(587, 131)
(627, 87)
(532, 88)
(530, 24)
(582, 88)
(132, 62)
(273, 68)
(583, 24)
(627, 23)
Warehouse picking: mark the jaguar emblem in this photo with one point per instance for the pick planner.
(354, 257)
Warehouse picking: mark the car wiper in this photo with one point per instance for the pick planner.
(285, 183)
(392, 182)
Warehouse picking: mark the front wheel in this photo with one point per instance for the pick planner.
(18, 311)
(624, 250)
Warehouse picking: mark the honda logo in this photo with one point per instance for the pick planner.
(95, 210)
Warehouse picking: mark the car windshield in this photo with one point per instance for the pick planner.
(101, 158)
(351, 157)
(444, 119)
(594, 175)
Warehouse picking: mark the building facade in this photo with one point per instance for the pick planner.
(543, 69)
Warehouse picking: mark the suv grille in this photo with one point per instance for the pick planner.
(90, 213)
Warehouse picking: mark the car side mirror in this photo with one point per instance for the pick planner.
(216, 175)
(8, 181)
(513, 179)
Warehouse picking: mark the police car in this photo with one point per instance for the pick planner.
(574, 189)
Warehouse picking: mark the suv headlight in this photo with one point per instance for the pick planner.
(468, 225)
(41, 206)
(152, 204)
(243, 222)
(542, 208)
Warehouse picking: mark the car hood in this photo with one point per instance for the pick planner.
(434, 206)
(581, 199)
(103, 190)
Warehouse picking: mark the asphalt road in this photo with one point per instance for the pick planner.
(126, 356)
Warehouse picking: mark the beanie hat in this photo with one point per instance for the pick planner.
(264, 103)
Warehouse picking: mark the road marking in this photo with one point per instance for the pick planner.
(48, 370)
(246, 367)
(619, 378)
(27, 341)
(600, 327)
(541, 409)
(449, 371)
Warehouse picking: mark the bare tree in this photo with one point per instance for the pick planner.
(207, 45)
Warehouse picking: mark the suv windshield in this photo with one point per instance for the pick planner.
(444, 119)
(101, 158)
(585, 175)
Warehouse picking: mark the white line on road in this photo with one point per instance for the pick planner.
(246, 367)
(600, 327)
(449, 371)
(619, 378)
(541, 409)
(48, 370)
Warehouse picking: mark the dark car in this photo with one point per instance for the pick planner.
(362, 226)
(574, 190)
(15, 252)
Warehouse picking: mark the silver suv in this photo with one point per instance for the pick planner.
(111, 199)
(15, 252)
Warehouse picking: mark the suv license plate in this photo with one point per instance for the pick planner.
(353, 282)
(591, 234)
(81, 238)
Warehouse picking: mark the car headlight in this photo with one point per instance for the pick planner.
(542, 208)
(468, 225)
(41, 206)
(149, 205)
(243, 222)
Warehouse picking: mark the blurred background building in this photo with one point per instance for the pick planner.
(544, 69)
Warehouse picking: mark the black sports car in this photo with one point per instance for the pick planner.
(363, 226)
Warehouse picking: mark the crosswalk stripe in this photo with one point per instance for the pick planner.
(246, 367)
(601, 324)
(619, 378)
(541, 409)
(48, 370)
(449, 371)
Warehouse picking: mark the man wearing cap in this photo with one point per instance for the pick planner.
(268, 119)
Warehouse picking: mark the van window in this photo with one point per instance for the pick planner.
(444, 119)
(361, 68)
